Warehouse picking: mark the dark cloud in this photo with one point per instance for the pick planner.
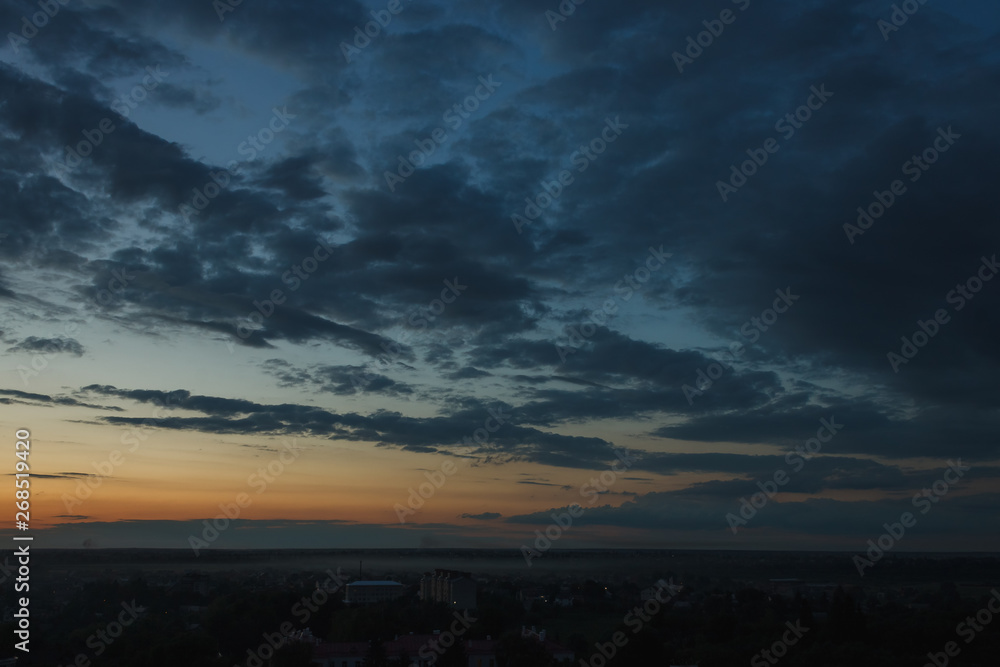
(485, 516)
(450, 432)
(49, 346)
(340, 380)
(382, 313)
(468, 373)
(45, 399)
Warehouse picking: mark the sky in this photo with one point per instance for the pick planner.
(520, 275)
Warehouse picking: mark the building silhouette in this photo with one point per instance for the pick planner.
(455, 589)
